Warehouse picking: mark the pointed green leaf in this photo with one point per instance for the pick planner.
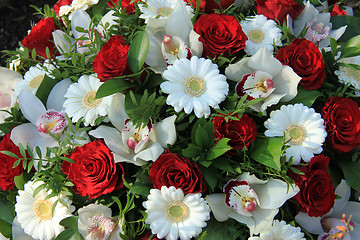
(44, 89)
(351, 173)
(218, 149)
(112, 86)
(138, 51)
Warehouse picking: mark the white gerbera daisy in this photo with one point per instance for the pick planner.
(261, 33)
(81, 100)
(159, 9)
(303, 128)
(350, 75)
(280, 231)
(194, 85)
(34, 213)
(173, 215)
(34, 77)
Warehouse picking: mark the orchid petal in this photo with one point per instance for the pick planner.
(306, 16)
(18, 231)
(31, 107)
(310, 224)
(274, 193)
(269, 101)
(352, 208)
(128, 159)
(336, 34)
(196, 46)
(117, 114)
(286, 82)
(263, 219)
(56, 97)
(344, 191)
(112, 139)
(355, 234)
(151, 153)
(173, 28)
(107, 18)
(237, 70)
(164, 132)
(79, 19)
(60, 42)
(263, 60)
(216, 202)
(250, 179)
(248, 221)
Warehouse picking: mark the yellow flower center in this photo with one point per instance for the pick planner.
(195, 87)
(90, 101)
(164, 11)
(256, 36)
(36, 81)
(43, 209)
(295, 133)
(177, 211)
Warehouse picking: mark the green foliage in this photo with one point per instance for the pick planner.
(138, 51)
(71, 231)
(111, 86)
(268, 151)
(351, 48)
(228, 230)
(306, 97)
(44, 89)
(353, 26)
(351, 173)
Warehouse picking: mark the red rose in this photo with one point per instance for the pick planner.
(112, 60)
(59, 4)
(94, 172)
(342, 123)
(241, 132)
(220, 34)
(147, 235)
(173, 170)
(130, 7)
(40, 37)
(7, 172)
(316, 195)
(278, 9)
(304, 57)
(208, 6)
(337, 11)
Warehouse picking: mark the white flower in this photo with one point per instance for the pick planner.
(261, 33)
(160, 9)
(283, 84)
(303, 129)
(76, 5)
(318, 24)
(194, 85)
(34, 213)
(34, 77)
(172, 215)
(251, 201)
(80, 100)
(348, 74)
(328, 223)
(95, 223)
(131, 144)
(280, 231)
(8, 80)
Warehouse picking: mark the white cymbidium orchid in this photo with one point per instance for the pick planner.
(319, 26)
(326, 225)
(262, 75)
(251, 201)
(177, 35)
(131, 144)
(81, 19)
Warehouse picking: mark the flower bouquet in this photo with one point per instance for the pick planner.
(173, 119)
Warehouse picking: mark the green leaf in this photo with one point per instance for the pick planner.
(7, 213)
(7, 127)
(44, 89)
(192, 151)
(351, 48)
(5, 229)
(333, 46)
(218, 149)
(201, 137)
(351, 173)
(353, 26)
(209, 174)
(306, 97)
(138, 51)
(112, 86)
(223, 164)
(21, 180)
(266, 151)
(10, 154)
(69, 234)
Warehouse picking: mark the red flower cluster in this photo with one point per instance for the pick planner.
(40, 37)
(342, 123)
(128, 4)
(208, 6)
(304, 57)
(94, 172)
(278, 9)
(173, 170)
(7, 172)
(220, 34)
(112, 60)
(337, 11)
(241, 132)
(316, 195)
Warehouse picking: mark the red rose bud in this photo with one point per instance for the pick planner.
(220, 34)
(41, 37)
(7, 172)
(342, 123)
(94, 172)
(316, 196)
(112, 60)
(171, 169)
(278, 9)
(304, 57)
